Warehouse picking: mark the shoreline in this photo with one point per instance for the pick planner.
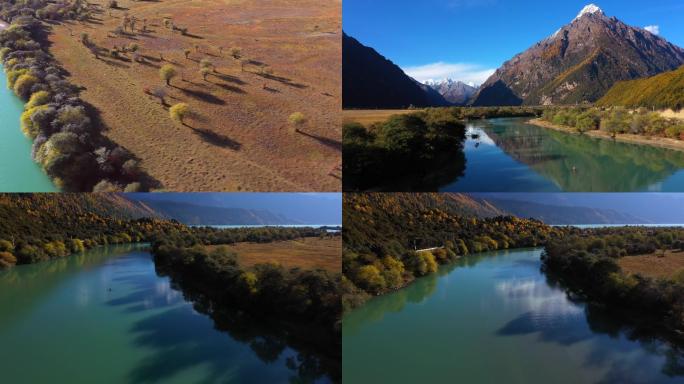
(660, 142)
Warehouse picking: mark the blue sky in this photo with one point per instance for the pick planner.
(468, 39)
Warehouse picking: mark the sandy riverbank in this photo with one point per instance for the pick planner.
(662, 142)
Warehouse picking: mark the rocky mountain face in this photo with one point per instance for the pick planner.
(455, 92)
(579, 63)
(369, 80)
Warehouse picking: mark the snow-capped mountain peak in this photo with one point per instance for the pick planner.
(589, 9)
(454, 91)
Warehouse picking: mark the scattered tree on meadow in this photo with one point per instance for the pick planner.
(205, 72)
(179, 112)
(167, 73)
(187, 52)
(296, 120)
(160, 93)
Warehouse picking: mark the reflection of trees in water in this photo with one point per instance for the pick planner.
(581, 163)
(23, 286)
(373, 311)
(311, 353)
(637, 327)
(447, 168)
(416, 292)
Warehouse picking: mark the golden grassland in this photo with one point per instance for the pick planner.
(654, 265)
(367, 117)
(240, 138)
(305, 253)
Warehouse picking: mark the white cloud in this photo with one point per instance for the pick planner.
(467, 73)
(654, 29)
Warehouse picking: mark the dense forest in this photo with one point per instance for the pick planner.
(615, 121)
(405, 150)
(67, 137)
(385, 233)
(662, 91)
(414, 152)
(587, 262)
(39, 227)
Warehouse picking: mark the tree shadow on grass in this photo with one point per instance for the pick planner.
(201, 95)
(283, 80)
(149, 64)
(334, 144)
(229, 78)
(230, 88)
(216, 139)
(114, 63)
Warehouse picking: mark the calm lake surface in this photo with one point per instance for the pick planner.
(105, 316)
(18, 172)
(508, 155)
(495, 318)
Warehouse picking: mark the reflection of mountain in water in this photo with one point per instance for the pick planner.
(580, 163)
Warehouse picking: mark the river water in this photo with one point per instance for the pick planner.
(496, 318)
(18, 172)
(509, 155)
(106, 316)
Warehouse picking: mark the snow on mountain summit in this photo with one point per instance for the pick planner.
(589, 9)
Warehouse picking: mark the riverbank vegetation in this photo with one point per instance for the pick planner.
(615, 121)
(41, 227)
(590, 263)
(405, 150)
(391, 239)
(411, 151)
(67, 138)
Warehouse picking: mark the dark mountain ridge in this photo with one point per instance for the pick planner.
(369, 81)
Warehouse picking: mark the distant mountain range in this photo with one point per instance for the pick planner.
(562, 215)
(472, 205)
(662, 91)
(579, 63)
(193, 214)
(454, 91)
(369, 80)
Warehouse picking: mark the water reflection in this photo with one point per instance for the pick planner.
(509, 155)
(110, 305)
(502, 302)
(24, 286)
(310, 354)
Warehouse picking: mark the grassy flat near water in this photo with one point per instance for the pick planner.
(240, 138)
(656, 265)
(367, 117)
